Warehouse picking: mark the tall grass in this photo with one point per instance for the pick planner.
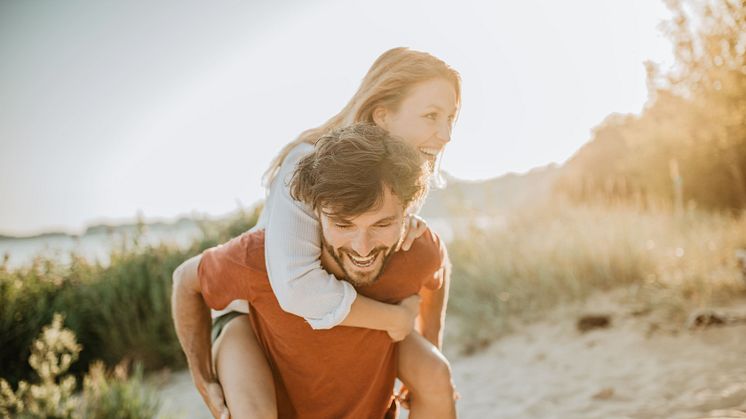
(550, 255)
(117, 311)
(517, 270)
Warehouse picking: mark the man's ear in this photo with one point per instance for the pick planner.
(380, 117)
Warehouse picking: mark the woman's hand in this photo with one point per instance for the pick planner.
(410, 308)
(416, 226)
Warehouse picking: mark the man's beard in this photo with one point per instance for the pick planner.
(368, 278)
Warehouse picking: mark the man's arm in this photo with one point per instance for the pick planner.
(433, 307)
(193, 325)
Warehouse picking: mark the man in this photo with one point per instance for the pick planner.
(361, 182)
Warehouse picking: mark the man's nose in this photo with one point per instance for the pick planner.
(362, 244)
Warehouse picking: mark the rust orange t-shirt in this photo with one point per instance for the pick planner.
(343, 372)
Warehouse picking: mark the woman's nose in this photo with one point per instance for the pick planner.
(444, 133)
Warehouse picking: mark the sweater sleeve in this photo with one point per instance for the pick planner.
(293, 251)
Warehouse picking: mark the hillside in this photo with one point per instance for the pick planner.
(493, 196)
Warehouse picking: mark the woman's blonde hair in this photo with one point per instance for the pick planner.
(386, 84)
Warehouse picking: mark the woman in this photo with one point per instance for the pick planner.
(416, 97)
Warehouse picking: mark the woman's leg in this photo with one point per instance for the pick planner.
(427, 375)
(243, 371)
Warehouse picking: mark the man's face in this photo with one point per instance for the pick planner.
(362, 245)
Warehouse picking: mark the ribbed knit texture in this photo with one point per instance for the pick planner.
(293, 251)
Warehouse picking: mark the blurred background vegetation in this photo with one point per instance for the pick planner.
(655, 201)
(119, 311)
(688, 146)
(653, 204)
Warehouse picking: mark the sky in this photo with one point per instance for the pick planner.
(113, 109)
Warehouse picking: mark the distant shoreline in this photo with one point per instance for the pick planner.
(101, 228)
(97, 242)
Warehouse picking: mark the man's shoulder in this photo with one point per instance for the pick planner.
(227, 272)
(427, 252)
(246, 249)
(253, 244)
(428, 244)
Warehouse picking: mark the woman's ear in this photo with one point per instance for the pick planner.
(380, 117)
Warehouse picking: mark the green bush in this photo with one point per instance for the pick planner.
(52, 396)
(118, 311)
(117, 395)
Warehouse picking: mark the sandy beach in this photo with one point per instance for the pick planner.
(635, 368)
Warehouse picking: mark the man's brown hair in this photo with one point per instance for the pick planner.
(349, 168)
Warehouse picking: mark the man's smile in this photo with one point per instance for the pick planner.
(363, 263)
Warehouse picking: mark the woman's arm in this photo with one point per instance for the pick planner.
(292, 252)
(398, 320)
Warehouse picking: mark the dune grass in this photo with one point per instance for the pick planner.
(546, 256)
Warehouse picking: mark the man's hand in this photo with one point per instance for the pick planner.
(416, 226)
(212, 393)
(410, 308)
(192, 322)
(404, 397)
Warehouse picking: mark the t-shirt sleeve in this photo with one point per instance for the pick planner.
(439, 258)
(224, 274)
(292, 254)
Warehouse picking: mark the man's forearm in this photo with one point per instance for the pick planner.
(193, 324)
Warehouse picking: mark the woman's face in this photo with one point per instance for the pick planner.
(424, 118)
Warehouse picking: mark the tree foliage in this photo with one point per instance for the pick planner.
(692, 132)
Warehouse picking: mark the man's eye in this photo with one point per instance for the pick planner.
(383, 225)
(432, 116)
(343, 225)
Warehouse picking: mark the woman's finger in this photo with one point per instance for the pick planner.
(416, 226)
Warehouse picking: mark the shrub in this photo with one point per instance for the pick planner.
(52, 397)
(117, 311)
(117, 395)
